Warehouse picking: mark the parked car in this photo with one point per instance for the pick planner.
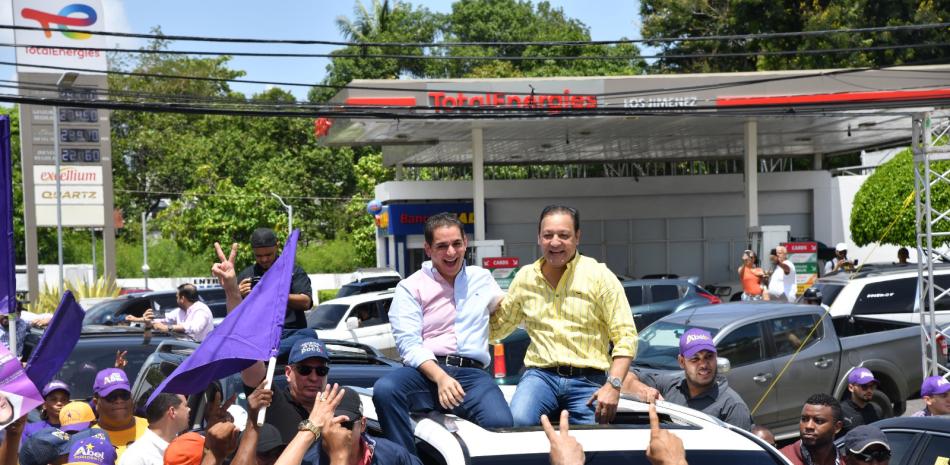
(755, 340)
(917, 440)
(370, 280)
(113, 311)
(362, 318)
(652, 299)
(884, 292)
(448, 440)
(96, 350)
(352, 364)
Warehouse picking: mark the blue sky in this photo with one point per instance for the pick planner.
(293, 19)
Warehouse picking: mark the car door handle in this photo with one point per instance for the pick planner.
(762, 377)
(823, 362)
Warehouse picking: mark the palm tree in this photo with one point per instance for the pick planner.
(367, 25)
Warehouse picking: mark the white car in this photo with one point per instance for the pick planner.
(362, 318)
(882, 292)
(449, 440)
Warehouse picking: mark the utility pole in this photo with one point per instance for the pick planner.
(290, 214)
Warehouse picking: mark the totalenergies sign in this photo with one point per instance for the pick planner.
(447, 101)
(65, 25)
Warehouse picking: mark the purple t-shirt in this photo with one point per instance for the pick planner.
(31, 428)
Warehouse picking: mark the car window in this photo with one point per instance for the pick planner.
(743, 345)
(87, 359)
(943, 283)
(370, 313)
(900, 443)
(627, 457)
(829, 292)
(788, 333)
(326, 316)
(937, 450)
(664, 292)
(101, 311)
(166, 302)
(634, 295)
(896, 296)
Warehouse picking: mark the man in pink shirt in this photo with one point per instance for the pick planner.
(439, 317)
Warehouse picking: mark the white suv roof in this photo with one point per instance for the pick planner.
(461, 442)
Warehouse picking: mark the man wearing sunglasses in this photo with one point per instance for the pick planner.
(306, 370)
(866, 444)
(857, 408)
(112, 396)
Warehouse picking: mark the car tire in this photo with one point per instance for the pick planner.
(883, 404)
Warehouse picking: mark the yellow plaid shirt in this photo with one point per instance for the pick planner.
(572, 324)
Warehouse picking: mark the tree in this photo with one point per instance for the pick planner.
(886, 197)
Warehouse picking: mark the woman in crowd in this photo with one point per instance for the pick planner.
(752, 278)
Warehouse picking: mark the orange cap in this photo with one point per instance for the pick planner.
(186, 449)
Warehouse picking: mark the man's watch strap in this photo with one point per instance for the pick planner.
(615, 382)
(308, 425)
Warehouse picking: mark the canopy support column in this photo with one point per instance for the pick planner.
(478, 180)
(751, 173)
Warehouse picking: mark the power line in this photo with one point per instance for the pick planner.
(370, 56)
(189, 194)
(757, 36)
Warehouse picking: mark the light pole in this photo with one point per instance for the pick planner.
(65, 82)
(290, 214)
(145, 267)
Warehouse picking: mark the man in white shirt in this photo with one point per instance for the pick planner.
(194, 318)
(782, 285)
(167, 417)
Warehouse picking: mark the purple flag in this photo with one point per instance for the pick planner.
(250, 333)
(18, 395)
(57, 342)
(7, 254)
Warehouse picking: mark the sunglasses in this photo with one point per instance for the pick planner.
(116, 396)
(305, 370)
(873, 456)
(348, 424)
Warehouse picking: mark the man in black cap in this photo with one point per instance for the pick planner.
(369, 450)
(269, 445)
(264, 244)
(866, 444)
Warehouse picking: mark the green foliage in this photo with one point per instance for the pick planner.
(51, 296)
(165, 259)
(882, 199)
(336, 256)
(327, 294)
(678, 18)
(361, 228)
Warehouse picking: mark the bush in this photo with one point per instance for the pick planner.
(336, 256)
(326, 294)
(165, 259)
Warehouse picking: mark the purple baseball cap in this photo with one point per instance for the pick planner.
(695, 340)
(861, 375)
(92, 449)
(934, 385)
(55, 385)
(109, 380)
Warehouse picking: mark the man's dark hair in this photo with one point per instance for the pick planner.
(561, 210)
(189, 292)
(826, 400)
(155, 411)
(442, 220)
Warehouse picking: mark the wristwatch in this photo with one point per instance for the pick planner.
(308, 425)
(615, 382)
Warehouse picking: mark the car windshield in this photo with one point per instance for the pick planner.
(86, 360)
(660, 344)
(627, 457)
(326, 316)
(100, 312)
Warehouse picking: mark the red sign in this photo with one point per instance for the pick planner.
(802, 247)
(555, 102)
(500, 262)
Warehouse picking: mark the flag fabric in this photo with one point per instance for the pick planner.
(250, 333)
(57, 342)
(18, 395)
(7, 254)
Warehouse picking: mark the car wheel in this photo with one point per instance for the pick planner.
(883, 404)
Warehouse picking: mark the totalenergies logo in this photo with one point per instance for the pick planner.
(66, 17)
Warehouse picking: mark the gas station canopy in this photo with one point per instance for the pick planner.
(638, 118)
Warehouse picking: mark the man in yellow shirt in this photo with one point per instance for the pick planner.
(573, 308)
(112, 395)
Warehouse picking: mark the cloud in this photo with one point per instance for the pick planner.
(117, 21)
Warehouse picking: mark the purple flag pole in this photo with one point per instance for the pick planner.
(7, 247)
(58, 341)
(249, 334)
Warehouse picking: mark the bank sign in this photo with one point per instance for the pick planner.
(64, 40)
(410, 218)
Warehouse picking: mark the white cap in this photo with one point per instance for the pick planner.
(841, 247)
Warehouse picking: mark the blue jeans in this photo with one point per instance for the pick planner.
(542, 393)
(408, 390)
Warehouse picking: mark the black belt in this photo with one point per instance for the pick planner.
(459, 361)
(567, 371)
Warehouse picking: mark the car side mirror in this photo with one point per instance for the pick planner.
(722, 365)
(352, 322)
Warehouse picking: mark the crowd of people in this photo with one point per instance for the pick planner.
(442, 316)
